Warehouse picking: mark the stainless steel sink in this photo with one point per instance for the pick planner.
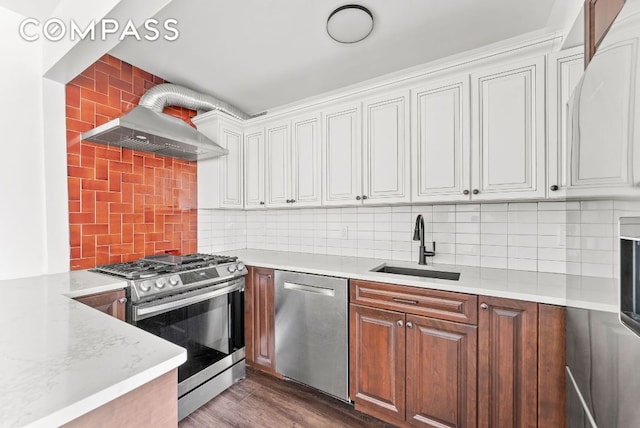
(398, 270)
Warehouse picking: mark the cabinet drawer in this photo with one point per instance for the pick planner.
(444, 305)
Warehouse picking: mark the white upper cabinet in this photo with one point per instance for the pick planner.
(221, 180)
(254, 163)
(386, 150)
(278, 161)
(440, 146)
(604, 125)
(341, 154)
(565, 70)
(508, 131)
(305, 189)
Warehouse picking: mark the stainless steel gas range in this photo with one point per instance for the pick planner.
(195, 301)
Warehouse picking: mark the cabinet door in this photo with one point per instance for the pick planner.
(598, 17)
(440, 144)
(385, 162)
(377, 362)
(565, 70)
(441, 373)
(278, 162)
(260, 319)
(254, 169)
(341, 155)
(508, 121)
(231, 167)
(604, 125)
(111, 303)
(507, 363)
(306, 163)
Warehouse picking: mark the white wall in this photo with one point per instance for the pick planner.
(22, 217)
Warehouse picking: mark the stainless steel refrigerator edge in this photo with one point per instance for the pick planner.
(311, 331)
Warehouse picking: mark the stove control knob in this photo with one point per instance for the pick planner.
(174, 280)
(241, 267)
(145, 286)
(232, 268)
(161, 282)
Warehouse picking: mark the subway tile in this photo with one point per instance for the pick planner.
(494, 217)
(467, 228)
(467, 260)
(523, 264)
(493, 228)
(468, 238)
(494, 207)
(523, 206)
(494, 262)
(523, 216)
(468, 207)
(467, 217)
(522, 240)
(523, 228)
(522, 252)
(489, 239)
(494, 250)
(552, 217)
(603, 230)
(467, 249)
(444, 208)
(444, 217)
(597, 216)
(598, 270)
(552, 266)
(596, 205)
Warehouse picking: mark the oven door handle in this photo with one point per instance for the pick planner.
(140, 313)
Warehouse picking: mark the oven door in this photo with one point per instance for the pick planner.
(208, 323)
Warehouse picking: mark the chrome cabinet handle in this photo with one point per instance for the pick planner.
(123, 300)
(484, 306)
(466, 192)
(400, 323)
(409, 325)
(399, 300)
(476, 191)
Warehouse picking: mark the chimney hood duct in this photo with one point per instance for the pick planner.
(146, 128)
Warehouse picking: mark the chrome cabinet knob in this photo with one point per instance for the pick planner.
(400, 323)
(358, 198)
(288, 201)
(465, 192)
(364, 197)
(484, 306)
(554, 188)
(409, 325)
(261, 202)
(123, 300)
(476, 191)
(293, 201)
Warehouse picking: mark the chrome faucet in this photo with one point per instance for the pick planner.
(418, 235)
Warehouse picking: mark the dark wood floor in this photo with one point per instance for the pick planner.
(264, 401)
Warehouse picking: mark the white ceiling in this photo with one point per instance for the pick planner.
(259, 54)
(39, 9)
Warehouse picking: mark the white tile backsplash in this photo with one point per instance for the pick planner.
(560, 237)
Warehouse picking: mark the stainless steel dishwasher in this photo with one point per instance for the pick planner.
(311, 331)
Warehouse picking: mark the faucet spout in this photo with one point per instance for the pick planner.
(418, 235)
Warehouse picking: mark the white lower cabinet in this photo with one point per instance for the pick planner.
(508, 131)
(440, 141)
(254, 163)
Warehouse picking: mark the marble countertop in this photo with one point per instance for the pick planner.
(60, 359)
(557, 289)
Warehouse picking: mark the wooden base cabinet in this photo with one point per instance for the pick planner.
(260, 319)
(413, 370)
(111, 303)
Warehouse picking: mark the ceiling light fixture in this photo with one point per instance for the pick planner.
(350, 23)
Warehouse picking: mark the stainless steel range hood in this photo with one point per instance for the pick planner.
(147, 129)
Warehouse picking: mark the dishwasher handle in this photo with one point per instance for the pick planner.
(310, 289)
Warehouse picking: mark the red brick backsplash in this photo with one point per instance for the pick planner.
(123, 204)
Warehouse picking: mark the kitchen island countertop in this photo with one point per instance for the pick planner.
(60, 359)
(551, 288)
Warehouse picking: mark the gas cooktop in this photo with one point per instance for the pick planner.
(163, 264)
(165, 275)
